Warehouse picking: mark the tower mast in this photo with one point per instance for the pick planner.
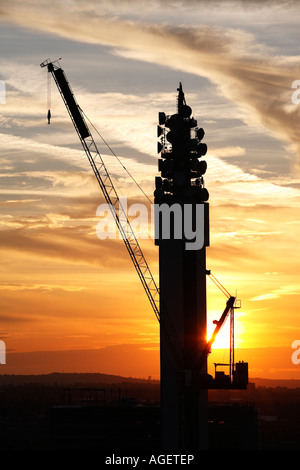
(182, 213)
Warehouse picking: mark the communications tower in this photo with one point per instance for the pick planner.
(182, 234)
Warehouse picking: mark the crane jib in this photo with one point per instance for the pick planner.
(112, 198)
(70, 101)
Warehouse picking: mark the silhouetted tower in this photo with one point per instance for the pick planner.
(182, 234)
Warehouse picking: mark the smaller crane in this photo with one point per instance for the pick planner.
(238, 373)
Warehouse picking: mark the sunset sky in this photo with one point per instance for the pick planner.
(63, 289)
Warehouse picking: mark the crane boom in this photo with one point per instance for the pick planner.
(106, 184)
(112, 198)
(219, 324)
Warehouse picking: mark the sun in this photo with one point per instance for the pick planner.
(222, 340)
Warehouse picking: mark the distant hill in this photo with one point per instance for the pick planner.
(66, 379)
(120, 362)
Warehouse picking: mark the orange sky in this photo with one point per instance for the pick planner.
(64, 289)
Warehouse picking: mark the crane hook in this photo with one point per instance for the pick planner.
(49, 98)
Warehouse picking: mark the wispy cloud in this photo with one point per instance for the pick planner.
(277, 293)
(40, 287)
(246, 72)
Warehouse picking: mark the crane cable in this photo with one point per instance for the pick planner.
(219, 285)
(49, 97)
(114, 154)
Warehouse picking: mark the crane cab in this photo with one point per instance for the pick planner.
(238, 379)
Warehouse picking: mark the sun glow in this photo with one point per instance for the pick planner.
(222, 340)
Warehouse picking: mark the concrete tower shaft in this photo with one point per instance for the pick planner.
(182, 236)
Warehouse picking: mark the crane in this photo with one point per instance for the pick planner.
(106, 184)
(111, 196)
(127, 233)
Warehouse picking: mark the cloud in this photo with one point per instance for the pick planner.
(40, 287)
(277, 293)
(226, 152)
(246, 72)
(64, 243)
